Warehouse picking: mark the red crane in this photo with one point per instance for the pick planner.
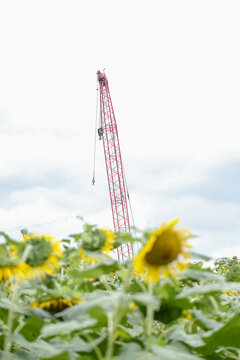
(108, 133)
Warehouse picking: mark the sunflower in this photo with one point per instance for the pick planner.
(160, 255)
(10, 265)
(97, 241)
(44, 255)
(56, 305)
(12, 268)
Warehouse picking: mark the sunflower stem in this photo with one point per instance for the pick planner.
(105, 283)
(115, 318)
(95, 348)
(7, 342)
(149, 318)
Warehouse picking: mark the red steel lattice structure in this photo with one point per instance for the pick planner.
(117, 188)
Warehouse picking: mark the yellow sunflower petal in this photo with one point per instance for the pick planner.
(162, 251)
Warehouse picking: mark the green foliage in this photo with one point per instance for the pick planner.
(229, 268)
(102, 310)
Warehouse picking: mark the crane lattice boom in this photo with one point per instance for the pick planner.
(117, 188)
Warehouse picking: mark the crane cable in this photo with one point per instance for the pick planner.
(95, 139)
(130, 207)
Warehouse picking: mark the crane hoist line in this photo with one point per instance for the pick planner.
(108, 133)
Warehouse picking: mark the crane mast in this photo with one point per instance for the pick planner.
(116, 181)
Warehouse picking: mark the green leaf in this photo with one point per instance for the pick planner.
(7, 304)
(37, 347)
(99, 314)
(8, 239)
(146, 299)
(32, 327)
(127, 351)
(45, 350)
(208, 323)
(124, 237)
(80, 312)
(43, 314)
(197, 256)
(66, 327)
(171, 352)
(63, 356)
(76, 236)
(78, 344)
(88, 227)
(176, 333)
(200, 275)
(68, 241)
(102, 268)
(21, 355)
(209, 289)
(227, 335)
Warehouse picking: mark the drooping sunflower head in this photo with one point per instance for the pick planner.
(56, 305)
(98, 241)
(43, 257)
(94, 240)
(163, 252)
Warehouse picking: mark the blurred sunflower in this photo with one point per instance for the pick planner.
(10, 265)
(12, 268)
(56, 305)
(44, 255)
(95, 243)
(229, 293)
(160, 255)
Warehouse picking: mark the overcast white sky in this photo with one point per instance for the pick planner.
(174, 75)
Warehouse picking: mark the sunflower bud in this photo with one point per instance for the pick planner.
(94, 240)
(40, 251)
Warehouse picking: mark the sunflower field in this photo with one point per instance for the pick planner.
(72, 299)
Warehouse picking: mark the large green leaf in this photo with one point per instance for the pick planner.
(66, 327)
(99, 314)
(21, 355)
(171, 352)
(43, 314)
(8, 304)
(97, 299)
(200, 275)
(228, 335)
(176, 333)
(102, 268)
(205, 321)
(38, 347)
(63, 356)
(32, 327)
(46, 350)
(132, 351)
(171, 308)
(209, 289)
(146, 299)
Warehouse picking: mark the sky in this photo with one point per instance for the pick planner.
(174, 77)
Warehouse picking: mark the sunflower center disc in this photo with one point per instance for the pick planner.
(165, 250)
